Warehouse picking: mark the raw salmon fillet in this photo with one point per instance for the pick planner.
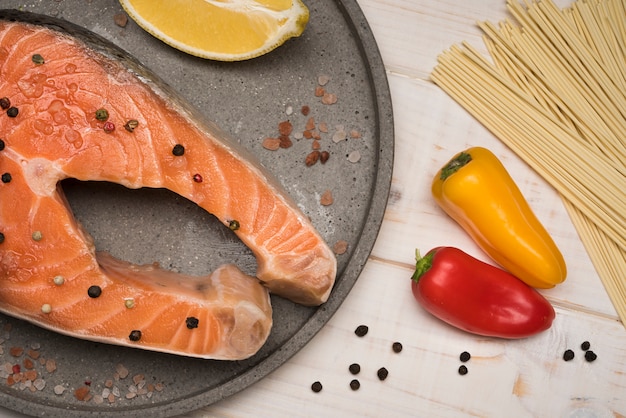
(50, 273)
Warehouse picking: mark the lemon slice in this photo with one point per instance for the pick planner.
(224, 30)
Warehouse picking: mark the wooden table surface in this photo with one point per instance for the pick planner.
(521, 378)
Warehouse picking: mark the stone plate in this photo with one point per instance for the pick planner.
(247, 99)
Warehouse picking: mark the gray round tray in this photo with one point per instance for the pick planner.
(247, 99)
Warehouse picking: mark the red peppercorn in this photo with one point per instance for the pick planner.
(108, 127)
(16, 369)
(197, 178)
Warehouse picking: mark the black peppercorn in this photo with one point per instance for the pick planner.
(131, 125)
(354, 368)
(361, 330)
(316, 387)
(396, 347)
(192, 322)
(13, 112)
(585, 346)
(135, 335)
(6, 178)
(355, 384)
(462, 370)
(38, 59)
(465, 356)
(94, 291)
(5, 103)
(2, 144)
(382, 373)
(178, 150)
(590, 356)
(568, 355)
(1, 237)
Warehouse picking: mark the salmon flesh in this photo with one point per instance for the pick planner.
(74, 106)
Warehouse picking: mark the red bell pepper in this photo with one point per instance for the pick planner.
(477, 297)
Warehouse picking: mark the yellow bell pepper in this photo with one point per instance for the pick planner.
(477, 192)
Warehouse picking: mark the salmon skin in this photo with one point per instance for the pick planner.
(78, 107)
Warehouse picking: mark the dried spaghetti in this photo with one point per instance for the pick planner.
(555, 93)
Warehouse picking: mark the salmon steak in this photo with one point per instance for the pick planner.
(77, 107)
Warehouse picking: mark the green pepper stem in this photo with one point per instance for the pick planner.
(455, 165)
(422, 264)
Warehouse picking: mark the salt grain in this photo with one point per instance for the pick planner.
(51, 365)
(34, 354)
(59, 389)
(16, 351)
(120, 19)
(28, 363)
(271, 144)
(82, 393)
(340, 247)
(121, 371)
(39, 384)
(327, 198)
(310, 124)
(285, 141)
(354, 156)
(323, 79)
(329, 98)
(285, 128)
(339, 136)
(288, 110)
